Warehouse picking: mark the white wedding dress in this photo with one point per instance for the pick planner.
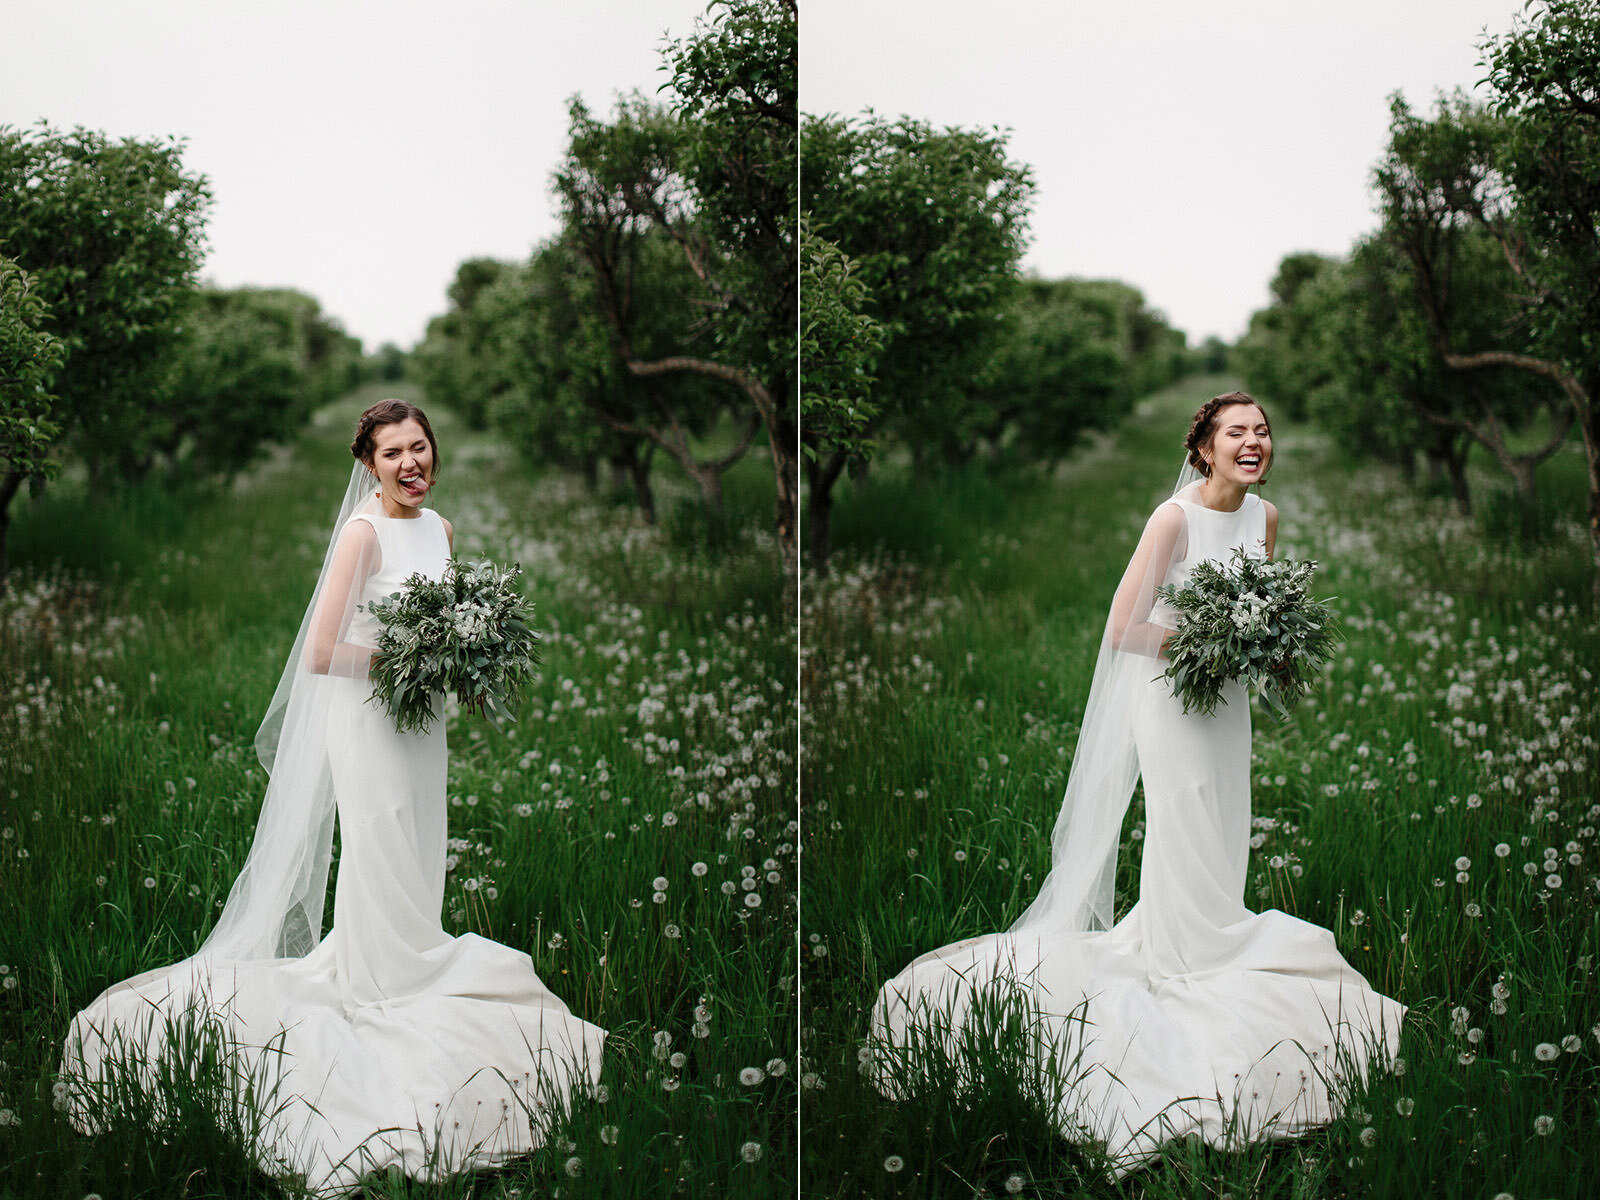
(391, 1042)
(1191, 1015)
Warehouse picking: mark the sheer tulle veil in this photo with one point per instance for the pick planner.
(275, 907)
(1078, 893)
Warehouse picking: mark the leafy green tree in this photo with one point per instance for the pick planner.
(933, 223)
(1544, 76)
(626, 203)
(1446, 211)
(244, 374)
(387, 364)
(1524, 172)
(735, 92)
(111, 234)
(29, 359)
(452, 362)
(1274, 353)
(839, 344)
(1372, 375)
(1072, 356)
(1211, 357)
(1155, 354)
(711, 174)
(567, 398)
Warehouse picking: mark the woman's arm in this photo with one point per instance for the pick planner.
(450, 534)
(355, 558)
(1131, 628)
(1272, 527)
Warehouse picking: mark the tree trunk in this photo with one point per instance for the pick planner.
(783, 438)
(9, 483)
(1455, 462)
(819, 509)
(591, 474)
(639, 470)
(709, 480)
(1434, 456)
(1590, 425)
(1521, 468)
(1584, 394)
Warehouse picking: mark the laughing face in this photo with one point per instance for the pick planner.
(1241, 448)
(402, 459)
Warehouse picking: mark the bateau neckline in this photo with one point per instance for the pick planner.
(1221, 512)
(383, 516)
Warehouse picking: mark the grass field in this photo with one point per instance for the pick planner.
(142, 636)
(1435, 806)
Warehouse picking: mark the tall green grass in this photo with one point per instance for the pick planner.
(946, 662)
(143, 635)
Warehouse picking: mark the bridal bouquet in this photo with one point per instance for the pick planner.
(1250, 620)
(470, 632)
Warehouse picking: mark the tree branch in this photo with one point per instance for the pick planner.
(1522, 362)
(737, 376)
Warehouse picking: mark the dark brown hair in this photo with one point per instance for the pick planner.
(1205, 425)
(390, 412)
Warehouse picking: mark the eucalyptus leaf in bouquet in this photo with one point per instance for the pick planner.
(1253, 620)
(469, 632)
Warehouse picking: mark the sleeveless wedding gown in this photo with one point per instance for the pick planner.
(392, 1042)
(1192, 1015)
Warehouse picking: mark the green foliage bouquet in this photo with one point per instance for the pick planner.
(469, 632)
(1251, 620)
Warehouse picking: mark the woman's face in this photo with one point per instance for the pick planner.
(1241, 446)
(402, 459)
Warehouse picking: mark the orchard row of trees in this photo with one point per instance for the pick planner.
(918, 331)
(1472, 315)
(112, 352)
(660, 323)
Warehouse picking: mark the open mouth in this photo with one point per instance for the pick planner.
(1249, 462)
(414, 485)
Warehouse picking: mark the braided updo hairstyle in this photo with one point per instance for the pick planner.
(1204, 427)
(391, 412)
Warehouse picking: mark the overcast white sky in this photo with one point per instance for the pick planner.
(360, 149)
(1182, 145)
(357, 149)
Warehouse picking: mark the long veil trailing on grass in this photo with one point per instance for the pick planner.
(274, 909)
(1077, 894)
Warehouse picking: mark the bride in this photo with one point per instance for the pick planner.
(1192, 1015)
(388, 1042)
